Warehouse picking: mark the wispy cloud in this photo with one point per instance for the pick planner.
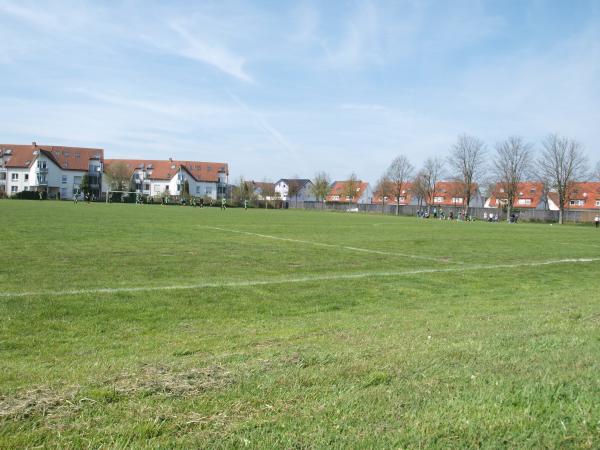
(199, 49)
(264, 125)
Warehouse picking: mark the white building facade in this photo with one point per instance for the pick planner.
(56, 172)
(159, 178)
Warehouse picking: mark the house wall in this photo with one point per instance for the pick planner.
(14, 186)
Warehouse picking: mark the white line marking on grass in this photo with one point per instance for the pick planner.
(304, 279)
(343, 247)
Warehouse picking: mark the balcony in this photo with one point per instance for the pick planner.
(41, 170)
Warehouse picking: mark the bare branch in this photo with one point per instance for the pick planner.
(561, 163)
(467, 161)
(398, 175)
(510, 166)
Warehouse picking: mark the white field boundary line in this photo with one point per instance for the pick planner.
(343, 247)
(304, 279)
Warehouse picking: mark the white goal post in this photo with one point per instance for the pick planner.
(109, 194)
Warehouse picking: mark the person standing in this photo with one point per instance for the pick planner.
(597, 221)
(223, 203)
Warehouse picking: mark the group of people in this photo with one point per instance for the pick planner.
(439, 213)
(88, 197)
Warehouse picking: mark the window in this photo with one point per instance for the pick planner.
(13, 189)
(41, 164)
(64, 179)
(157, 188)
(597, 202)
(14, 176)
(146, 186)
(26, 177)
(167, 187)
(197, 189)
(335, 197)
(208, 191)
(26, 188)
(457, 200)
(438, 199)
(576, 202)
(77, 181)
(524, 201)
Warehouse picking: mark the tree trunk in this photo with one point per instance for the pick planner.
(397, 207)
(561, 213)
(508, 209)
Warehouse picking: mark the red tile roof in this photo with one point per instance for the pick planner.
(582, 195)
(166, 169)
(68, 158)
(529, 195)
(405, 198)
(337, 190)
(449, 190)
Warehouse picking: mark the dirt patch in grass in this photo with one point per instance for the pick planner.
(35, 401)
(150, 380)
(168, 381)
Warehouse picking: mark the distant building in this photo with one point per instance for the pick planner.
(582, 195)
(405, 198)
(160, 177)
(452, 193)
(55, 170)
(530, 195)
(338, 193)
(295, 189)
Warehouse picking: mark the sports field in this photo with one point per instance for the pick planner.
(150, 326)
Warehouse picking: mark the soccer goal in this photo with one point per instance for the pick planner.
(124, 197)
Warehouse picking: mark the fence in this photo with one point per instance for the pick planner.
(526, 215)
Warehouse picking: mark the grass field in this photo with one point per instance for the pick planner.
(149, 326)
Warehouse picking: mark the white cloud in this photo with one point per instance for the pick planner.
(199, 49)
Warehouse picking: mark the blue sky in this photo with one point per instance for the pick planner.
(278, 89)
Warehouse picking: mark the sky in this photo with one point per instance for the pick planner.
(279, 89)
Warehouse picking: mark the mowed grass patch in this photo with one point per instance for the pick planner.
(493, 358)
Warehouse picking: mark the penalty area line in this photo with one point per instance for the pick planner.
(304, 279)
(343, 247)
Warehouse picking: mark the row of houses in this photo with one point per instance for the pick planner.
(58, 171)
(530, 195)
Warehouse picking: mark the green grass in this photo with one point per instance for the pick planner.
(462, 356)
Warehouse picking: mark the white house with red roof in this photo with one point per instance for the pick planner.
(167, 177)
(584, 195)
(452, 193)
(55, 170)
(530, 195)
(338, 194)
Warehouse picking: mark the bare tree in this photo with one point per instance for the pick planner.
(419, 187)
(119, 176)
(351, 187)
(597, 172)
(399, 174)
(320, 187)
(294, 188)
(383, 189)
(510, 166)
(562, 162)
(268, 192)
(245, 190)
(467, 160)
(430, 175)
